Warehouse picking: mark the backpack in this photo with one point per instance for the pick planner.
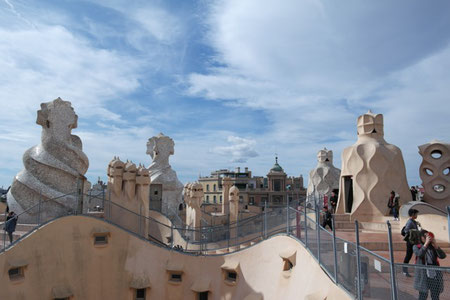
(403, 232)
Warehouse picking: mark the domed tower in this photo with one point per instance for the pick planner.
(277, 183)
(371, 169)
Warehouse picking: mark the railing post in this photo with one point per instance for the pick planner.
(287, 215)
(39, 209)
(265, 219)
(335, 251)
(4, 236)
(391, 263)
(171, 236)
(358, 261)
(318, 232)
(109, 204)
(306, 226)
(140, 214)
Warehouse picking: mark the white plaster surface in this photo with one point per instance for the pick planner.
(376, 167)
(160, 148)
(324, 178)
(52, 168)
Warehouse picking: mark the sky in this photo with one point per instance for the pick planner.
(232, 82)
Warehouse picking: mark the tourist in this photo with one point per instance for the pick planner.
(413, 193)
(427, 253)
(333, 202)
(410, 225)
(327, 218)
(393, 204)
(10, 225)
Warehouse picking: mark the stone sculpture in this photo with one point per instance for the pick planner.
(234, 209)
(434, 172)
(54, 169)
(128, 187)
(160, 147)
(194, 192)
(324, 178)
(226, 185)
(371, 169)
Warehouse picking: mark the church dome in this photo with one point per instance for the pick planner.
(276, 167)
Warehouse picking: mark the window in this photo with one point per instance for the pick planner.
(140, 294)
(203, 296)
(220, 198)
(214, 188)
(215, 200)
(15, 273)
(231, 276)
(207, 199)
(101, 239)
(175, 277)
(207, 187)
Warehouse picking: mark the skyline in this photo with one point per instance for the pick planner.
(232, 83)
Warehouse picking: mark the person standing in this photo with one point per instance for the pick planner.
(333, 202)
(410, 224)
(413, 193)
(391, 203)
(327, 218)
(10, 225)
(427, 253)
(396, 208)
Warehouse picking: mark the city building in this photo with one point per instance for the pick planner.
(275, 188)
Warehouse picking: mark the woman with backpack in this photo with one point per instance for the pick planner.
(427, 253)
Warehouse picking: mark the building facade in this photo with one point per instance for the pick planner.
(274, 189)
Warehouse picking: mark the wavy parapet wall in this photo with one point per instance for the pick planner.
(53, 169)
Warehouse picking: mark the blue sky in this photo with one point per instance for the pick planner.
(232, 82)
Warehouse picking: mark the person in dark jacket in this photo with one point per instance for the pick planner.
(427, 253)
(393, 204)
(327, 218)
(10, 225)
(333, 202)
(410, 224)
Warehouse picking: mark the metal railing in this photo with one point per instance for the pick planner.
(361, 272)
(365, 274)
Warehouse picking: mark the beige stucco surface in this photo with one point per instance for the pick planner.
(62, 256)
(376, 168)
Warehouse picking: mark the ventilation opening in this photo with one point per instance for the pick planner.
(446, 171)
(101, 239)
(438, 188)
(15, 273)
(436, 154)
(348, 193)
(429, 172)
(327, 159)
(287, 265)
(67, 298)
(374, 131)
(176, 277)
(202, 296)
(231, 276)
(140, 294)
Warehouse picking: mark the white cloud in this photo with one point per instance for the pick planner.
(240, 150)
(314, 66)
